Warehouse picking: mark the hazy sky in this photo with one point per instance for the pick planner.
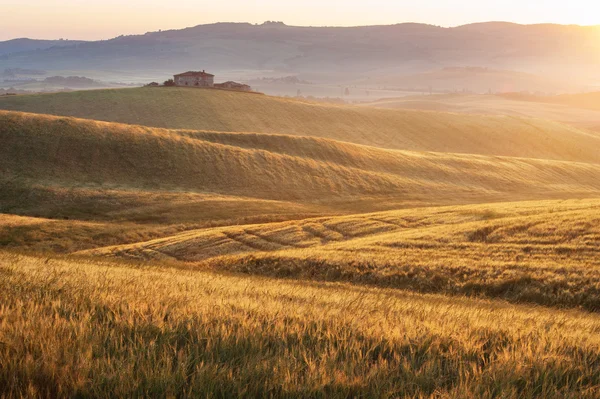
(93, 19)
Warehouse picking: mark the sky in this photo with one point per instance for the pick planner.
(93, 19)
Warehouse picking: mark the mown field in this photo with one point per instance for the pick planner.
(89, 328)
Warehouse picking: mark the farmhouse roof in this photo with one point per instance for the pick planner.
(194, 73)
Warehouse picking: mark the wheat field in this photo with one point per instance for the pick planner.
(164, 242)
(223, 111)
(572, 110)
(90, 170)
(539, 252)
(89, 328)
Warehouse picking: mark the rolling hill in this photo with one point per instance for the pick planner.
(81, 154)
(215, 243)
(180, 108)
(471, 79)
(589, 101)
(543, 252)
(100, 328)
(317, 52)
(170, 242)
(23, 45)
(555, 108)
(92, 183)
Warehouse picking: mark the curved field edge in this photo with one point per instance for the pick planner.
(95, 328)
(545, 252)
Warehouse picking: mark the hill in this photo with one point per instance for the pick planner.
(582, 100)
(317, 52)
(471, 79)
(543, 252)
(539, 107)
(82, 154)
(137, 183)
(181, 108)
(24, 45)
(97, 328)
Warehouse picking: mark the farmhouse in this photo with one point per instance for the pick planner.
(233, 86)
(204, 79)
(191, 78)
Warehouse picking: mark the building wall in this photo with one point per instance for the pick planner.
(234, 86)
(206, 81)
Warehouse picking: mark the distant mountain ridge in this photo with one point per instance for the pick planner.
(332, 53)
(24, 44)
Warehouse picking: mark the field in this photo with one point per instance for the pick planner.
(539, 252)
(167, 242)
(88, 328)
(214, 110)
(571, 110)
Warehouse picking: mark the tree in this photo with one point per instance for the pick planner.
(169, 82)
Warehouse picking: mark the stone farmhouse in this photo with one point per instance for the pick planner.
(191, 78)
(233, 86)
(204, 79)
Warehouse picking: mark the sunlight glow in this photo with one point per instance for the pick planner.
(78, 19)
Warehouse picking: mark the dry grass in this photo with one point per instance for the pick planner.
(67, 236)
(179, 108)
(363, 317)
(562, 110)
(96, 329)
(540, 252)
(581, 100)
(64, 167)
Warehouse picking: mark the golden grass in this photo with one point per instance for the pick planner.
(66, 236)
(580, 100)
(186, 207)
(64, 167)
(536, 107)
(544, 252)
(180, 108)
(96, 329)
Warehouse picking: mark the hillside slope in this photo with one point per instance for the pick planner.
(181, 108)
(318, 52)
(471, 79)
(498, 105)
(83, 154)
(544, 252)
(23, 45)
(173, 332)
(582, 100)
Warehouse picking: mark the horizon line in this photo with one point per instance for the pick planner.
(281, 23)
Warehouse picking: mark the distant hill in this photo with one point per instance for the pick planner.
(331, 54)
(472, 79)
(563, 109)
(198, 109)
(582, 100)
(25, 45)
